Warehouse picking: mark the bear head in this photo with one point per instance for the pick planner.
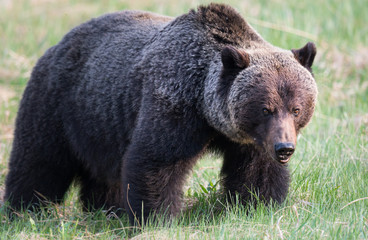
(270, 95)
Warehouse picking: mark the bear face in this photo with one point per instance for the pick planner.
(270, 97)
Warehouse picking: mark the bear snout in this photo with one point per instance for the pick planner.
(283, 151)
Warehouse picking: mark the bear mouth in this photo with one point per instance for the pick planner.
(283, 159)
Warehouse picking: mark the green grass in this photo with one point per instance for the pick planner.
(328, 196)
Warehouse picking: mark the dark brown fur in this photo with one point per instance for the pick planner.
(125, 104)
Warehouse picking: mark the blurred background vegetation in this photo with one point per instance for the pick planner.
(328, 194)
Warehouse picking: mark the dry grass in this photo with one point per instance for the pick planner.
(6, 94)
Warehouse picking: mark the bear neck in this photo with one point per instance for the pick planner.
(215, 104)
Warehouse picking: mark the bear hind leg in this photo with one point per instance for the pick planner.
(37, 177)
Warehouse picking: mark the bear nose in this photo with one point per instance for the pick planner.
(284, 151)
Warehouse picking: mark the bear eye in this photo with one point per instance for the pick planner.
(266, 111)
(296, 112)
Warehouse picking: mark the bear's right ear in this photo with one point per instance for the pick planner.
(233, 58)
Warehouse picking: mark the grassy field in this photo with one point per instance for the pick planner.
(328, 197)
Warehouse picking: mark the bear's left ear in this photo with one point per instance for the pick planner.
(233, 58)
(305, 55)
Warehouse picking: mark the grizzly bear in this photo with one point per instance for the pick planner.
(126, 103)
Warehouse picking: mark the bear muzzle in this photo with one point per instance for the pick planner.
(283, 151)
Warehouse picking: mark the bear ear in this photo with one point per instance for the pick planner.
(233, 58)
(306, 54)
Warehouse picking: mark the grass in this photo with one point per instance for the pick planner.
(328, 196)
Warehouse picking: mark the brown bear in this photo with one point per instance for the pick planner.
(126, 103)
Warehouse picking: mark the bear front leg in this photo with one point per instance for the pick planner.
(153, 189)
(253, 175)
(161, 154)
(97, 194)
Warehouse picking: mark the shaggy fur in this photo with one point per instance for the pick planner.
(126, 103)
